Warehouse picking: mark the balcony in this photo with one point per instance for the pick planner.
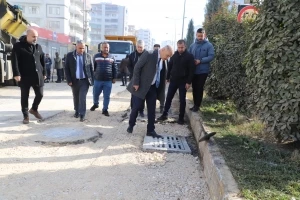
(76, 10)
(76, 34)
(76, 23)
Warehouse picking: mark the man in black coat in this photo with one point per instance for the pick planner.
(28, 63)
(133, 59)
(180, 75)
(79, 74)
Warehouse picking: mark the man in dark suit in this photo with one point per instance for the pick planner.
(143, 86)
(28, 63)
(79, 74)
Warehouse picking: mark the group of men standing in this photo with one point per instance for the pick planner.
(149, 73)
(59, 65)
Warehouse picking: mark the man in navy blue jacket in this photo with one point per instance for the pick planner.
(105, 73)
(204, 53)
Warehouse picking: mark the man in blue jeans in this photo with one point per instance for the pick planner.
(105, 73)
(180, 75)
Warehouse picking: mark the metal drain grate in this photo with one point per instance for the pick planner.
(168, 143)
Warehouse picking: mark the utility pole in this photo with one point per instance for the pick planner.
(85, 22)
(183, 17)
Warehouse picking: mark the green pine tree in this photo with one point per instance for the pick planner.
(190, 34)
(212, 6)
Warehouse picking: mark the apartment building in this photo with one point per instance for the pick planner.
(107, 19)
(59, 22)
(146, 36)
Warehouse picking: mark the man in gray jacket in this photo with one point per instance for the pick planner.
(146, 79)
(59, 67)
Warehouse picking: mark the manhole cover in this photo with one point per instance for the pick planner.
(66, 135)
(168, 143)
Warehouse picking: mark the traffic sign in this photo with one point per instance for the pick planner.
(246, 13)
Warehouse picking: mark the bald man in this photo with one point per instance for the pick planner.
(28, 65)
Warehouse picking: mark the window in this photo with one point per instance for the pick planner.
(54, 24)
(33, 9)
(54, 10)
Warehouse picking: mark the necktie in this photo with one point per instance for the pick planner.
(157, 74)
(80, 67)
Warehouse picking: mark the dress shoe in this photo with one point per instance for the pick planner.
(57, 81)
(142, 114)
(105, 112)
(192, 108)
(122, 85)
(180, 121)
(35, 113)
(82, 118)
(154, 134)
(76, 115)
(129, 129)
(26, 120)
(93, 108)
(162, 118)
(195, 109)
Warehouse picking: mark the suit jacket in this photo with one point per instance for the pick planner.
(143, 74)
(70, 68)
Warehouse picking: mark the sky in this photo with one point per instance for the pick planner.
(151, 14)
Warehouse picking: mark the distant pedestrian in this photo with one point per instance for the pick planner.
(48, 63)
(124, 70)
(59, 67)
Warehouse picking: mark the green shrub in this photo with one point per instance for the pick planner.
(273, 66)
(228, 76)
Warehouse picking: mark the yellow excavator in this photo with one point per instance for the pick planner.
(12, 26)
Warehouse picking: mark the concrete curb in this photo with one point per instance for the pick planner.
(221, 183)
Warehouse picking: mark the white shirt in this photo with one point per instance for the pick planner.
(159, 66)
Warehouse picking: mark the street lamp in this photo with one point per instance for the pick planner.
(174, 31)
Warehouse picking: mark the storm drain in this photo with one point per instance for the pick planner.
(177, 144)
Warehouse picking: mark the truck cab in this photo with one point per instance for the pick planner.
(119, 47)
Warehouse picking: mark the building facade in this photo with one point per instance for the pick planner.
(59, 22)
(107, 19)
(146, 36)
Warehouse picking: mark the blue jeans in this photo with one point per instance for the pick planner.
(100, 86)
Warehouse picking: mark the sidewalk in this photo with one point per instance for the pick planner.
(113, 167)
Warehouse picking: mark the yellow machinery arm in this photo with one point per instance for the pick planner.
(11, 20)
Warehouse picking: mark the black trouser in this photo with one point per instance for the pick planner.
(141, 110)
(124, 78)
(198, 88)
(48, 73)
(151, 104)
(25, 89)
(59, 74)
(173, 86)
(80, 89)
